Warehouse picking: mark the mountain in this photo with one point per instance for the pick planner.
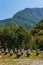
(37, 35)
(25, 18)
(37, 30)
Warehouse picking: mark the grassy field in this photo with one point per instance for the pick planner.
(23, 60)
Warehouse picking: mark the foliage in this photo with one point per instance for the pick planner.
(18, 37)
(37, 35)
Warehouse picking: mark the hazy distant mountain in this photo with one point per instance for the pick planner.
(25, 18)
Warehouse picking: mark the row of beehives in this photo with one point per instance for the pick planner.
(18, 52)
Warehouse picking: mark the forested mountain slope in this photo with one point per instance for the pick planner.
(25, 18)
(37, 35)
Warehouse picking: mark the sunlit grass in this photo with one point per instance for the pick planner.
(12, 60)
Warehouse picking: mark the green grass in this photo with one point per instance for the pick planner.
(12, 60)
(33, 56)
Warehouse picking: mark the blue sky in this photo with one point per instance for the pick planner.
(9, 7)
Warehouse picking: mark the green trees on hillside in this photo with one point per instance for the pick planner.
(17, 37)
(37, 35)
(12, 37)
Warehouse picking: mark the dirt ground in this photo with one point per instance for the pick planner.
(21, 62)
